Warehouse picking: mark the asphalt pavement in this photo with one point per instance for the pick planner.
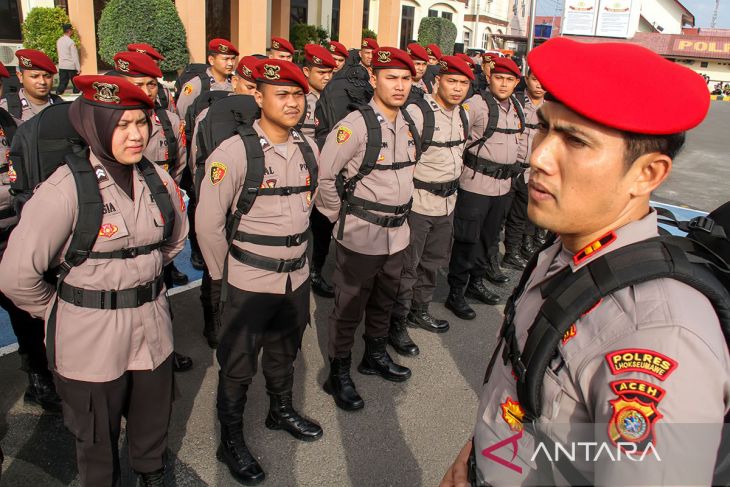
(407, 434)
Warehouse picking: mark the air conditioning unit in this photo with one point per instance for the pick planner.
(7, 53)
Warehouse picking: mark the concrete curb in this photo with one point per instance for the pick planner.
(719, 98)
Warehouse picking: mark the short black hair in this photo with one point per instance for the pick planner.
(67, 27)
(639, 144)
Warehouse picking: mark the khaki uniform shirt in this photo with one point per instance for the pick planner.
(438, 164)
(525, 149)
(29, 109)
(344, 150)
(310, 122)
(225, 173)
(500, 148)
(191, 90)
(157, 150)
(96, 345)
(68, 54)
(647, 364)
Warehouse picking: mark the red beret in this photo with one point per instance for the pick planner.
(505, 65)
(246, 67)
(280, 72)
(136, 64)
(369, 43)
(4, 71)
(417, 52)
(35, 60)
(112, 92)
(146, 49)
(393, 58)
(454, 65)
(434, 50)
(339, 49)
(606, 67)
(467, 59)
(319, 56)
(281, 44)
(222, 46)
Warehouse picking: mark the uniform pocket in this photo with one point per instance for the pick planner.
(112, 227)
(467, 225)
(78, 414)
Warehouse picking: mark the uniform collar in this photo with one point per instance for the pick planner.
(294, 138)
(436, 107)
(399, 120)
(102, 175)
(528, 102)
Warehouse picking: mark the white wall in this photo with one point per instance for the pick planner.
(664, 13)
(27, 5)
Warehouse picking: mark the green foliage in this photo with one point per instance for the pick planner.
(439, 31)
(301, 34)
(369, 33)
(155, 22)
(42, 28)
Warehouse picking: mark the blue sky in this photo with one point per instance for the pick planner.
(702, 10)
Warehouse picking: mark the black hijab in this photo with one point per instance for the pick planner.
(96, 126)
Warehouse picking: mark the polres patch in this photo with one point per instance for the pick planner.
(641, 360)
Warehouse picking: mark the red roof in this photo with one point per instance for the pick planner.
(673, 45)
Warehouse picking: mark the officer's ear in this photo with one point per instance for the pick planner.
(211, 59)
(258, 95)
(306, 71)
(648, 172)
(19, 74)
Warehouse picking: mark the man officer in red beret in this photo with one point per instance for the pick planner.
(261, 272)
(281, 49)
(339, 53)
(646, 371)
(420, 61)
(35, 73)
(367, 47)
(366, 189)
(490, 160)
(318, 67)
(164, 95)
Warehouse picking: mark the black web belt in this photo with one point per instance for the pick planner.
(443, 189)
(449, 144)
(280, 241)
(491, 168)
(362, 208)
(267, 263)
(396, 166)
(124, 298)
(129, 253)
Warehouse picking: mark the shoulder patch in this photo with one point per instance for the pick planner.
(512, 414)
(642, 361)
(343, 135)
(101, 175)
(108, 230)
(187, 89)
(218, 171)
(466, 106)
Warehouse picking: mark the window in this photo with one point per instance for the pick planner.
(433, 13)
(407, 16)
(298, 14)
(10, 25)
(335, 28)
(447, 15)
(703, 65)
(365, 14)
(467, 38)
(485, 41)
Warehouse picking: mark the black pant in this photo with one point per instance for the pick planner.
(426, 254)
(30, 333)
(477, 221)
(364, 285)
(321, 236)
(517, 223)
(250, 322)
(93, 412)
(64, 76)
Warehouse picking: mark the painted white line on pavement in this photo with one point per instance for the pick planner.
(8, 349)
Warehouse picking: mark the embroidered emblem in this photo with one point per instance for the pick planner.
(123, 65)
(108, 230)
(12, 175)
(512, 413)
(246, 71)
(187, 89)
(101, 175)
(141, 50)
(384, 56)
(106, 92)
(218, 171)
(570, 333)
(642, 361)
(343, 135)
(275, 45)
(271, 72)
(466, 106)
(316, 60)
(222, 48)
(180, 198)
(27, 63)
(634, 414)
(332, 48)
(594, 247)
(364, 43)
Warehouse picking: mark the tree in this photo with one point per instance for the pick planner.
(301, 34)
(155, 22)
(369, 33)
(439, 31)
(43, 27)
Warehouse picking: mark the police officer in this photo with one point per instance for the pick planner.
(243, 84)
(436, 179)
(281, 49)
(267, 304)
(434, 54)
(367, 47)
(490, 161)
(649, 364)
(420, 61)
(318, 68)
(371, 228)
(165, 97)
(222, 59)
(35, 73)
(112, 349)
(518, 230)
(339, 53)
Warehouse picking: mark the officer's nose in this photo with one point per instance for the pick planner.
(545, 148)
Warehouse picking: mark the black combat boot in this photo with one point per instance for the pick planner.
(477, 289)
(179, 278)
(211, 325)
(42, 391)
(528, 248)
(420, 317)
(340, 386)
(458, 305)
(494, 272)
(283, 416)
(377, 361)
(234, 453)
(181, 363)
(196, 257)
(152, 479)
(399, 338)
(320, 287)
(513, 258)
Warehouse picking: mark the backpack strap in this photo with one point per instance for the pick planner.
(204, 81)
(414, 132)
(493, 119)
(464, 121)
(162, 98)
(429, 123)
(14, 107)
(7, 123)
(160, 195)
(54, 98)
(170, 137)
(373, 145)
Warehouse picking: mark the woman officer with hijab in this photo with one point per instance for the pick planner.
(112, 341)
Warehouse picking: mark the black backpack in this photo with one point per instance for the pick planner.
(493, 119)
(221, 123)
(189, 72)
(8, 126)
(203, 101)
(15, 105)
(701, 259)
(170, 134)
(349, 88)
(429, 125)
(429, 77)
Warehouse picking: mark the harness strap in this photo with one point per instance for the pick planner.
(125, 298)
(267, 263)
